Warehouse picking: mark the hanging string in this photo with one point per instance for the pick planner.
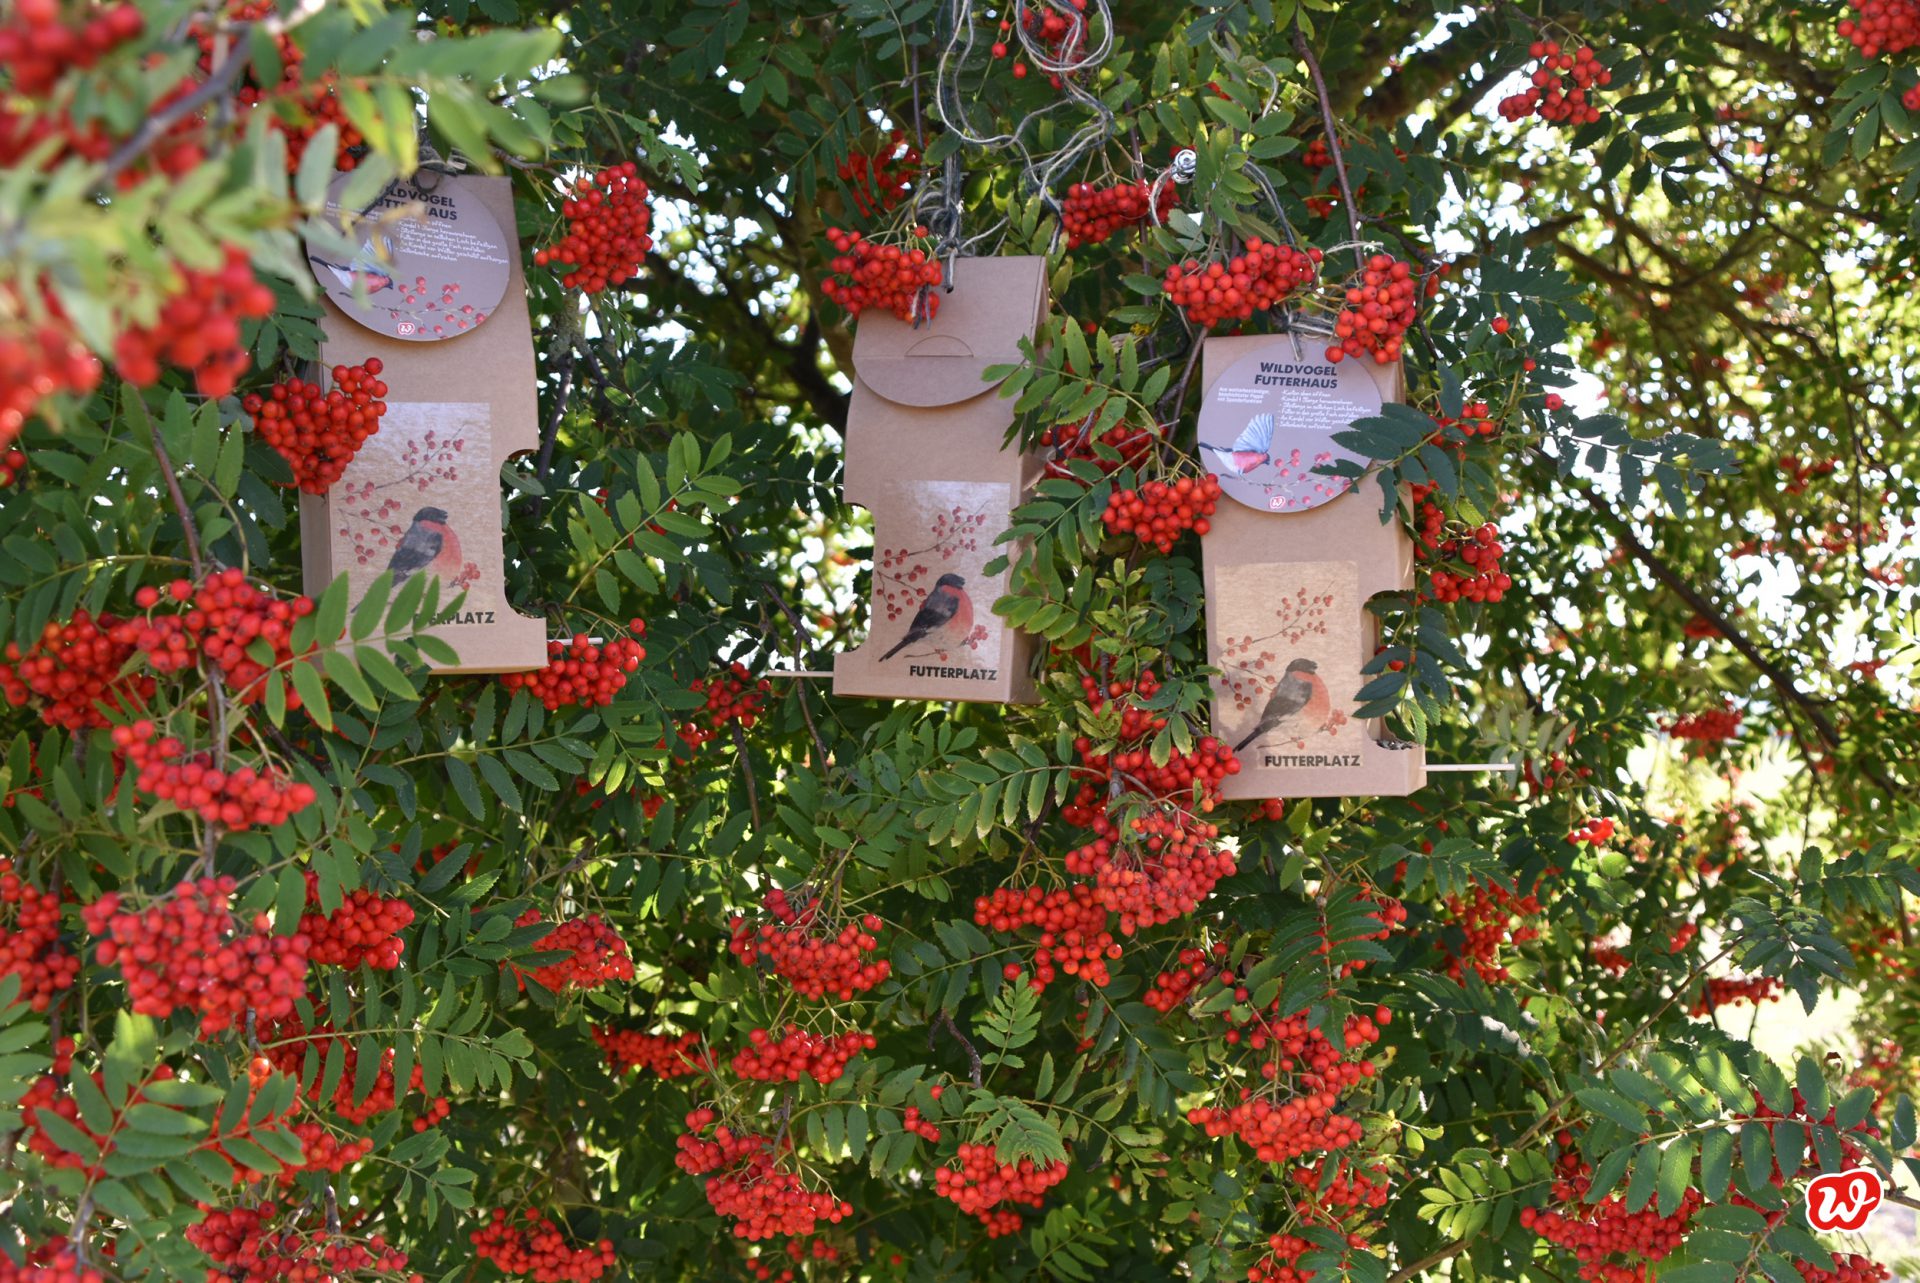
(1082, 50)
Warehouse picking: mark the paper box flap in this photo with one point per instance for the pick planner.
(995, 303)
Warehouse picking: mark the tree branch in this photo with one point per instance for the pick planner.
(1305, 51)
(945, 1021)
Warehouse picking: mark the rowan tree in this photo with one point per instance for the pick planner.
(662, 961)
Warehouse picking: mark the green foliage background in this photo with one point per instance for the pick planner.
(1716, 277)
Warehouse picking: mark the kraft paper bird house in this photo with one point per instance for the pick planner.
(925, 431)
(435, 292)
(1290, 563)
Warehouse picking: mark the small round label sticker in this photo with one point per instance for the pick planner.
(431, 263)
(1267, 425)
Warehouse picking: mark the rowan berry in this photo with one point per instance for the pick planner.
(73, 672)
(318, 433)
(881, 179)
(30, 947)
(1558, 86)
(1380, 308)
(890, 277)
(535, 1247)
(364, 929)
(189, 950)
(38, 44)
(581, 671)
(1090, 215)
(1262, 276)
(607, 230)
(1882, 26)
(665, 1055)
(797, 1054)
(597, 953)
(1159, 512)
(818, 965)
(198, 328)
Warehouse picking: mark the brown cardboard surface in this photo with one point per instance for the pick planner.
(1288, 586)
(924, 455)
(423, 495)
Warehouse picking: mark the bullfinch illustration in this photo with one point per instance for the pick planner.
(429, 544)
(947, 607)
(1301, 697)
(365, 269)
(1252, 448)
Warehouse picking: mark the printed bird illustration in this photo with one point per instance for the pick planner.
(429, 544)
(364, 270)
(1300, 697)
(947, 607)
(1249, 450)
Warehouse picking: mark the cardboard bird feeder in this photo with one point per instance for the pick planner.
(924, 454)
(435, 291)
(1290, 563)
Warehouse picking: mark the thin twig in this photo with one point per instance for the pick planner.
(945, 1021)
(746, 769)
(1427, 1262)
(1180, 389)
(217, 85)
(187, 526)
(1305, 51)
(552, 431)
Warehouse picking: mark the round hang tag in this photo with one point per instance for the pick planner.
(431, 263)
(1267, 425)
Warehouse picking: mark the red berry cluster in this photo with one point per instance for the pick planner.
(535, 1247)
(1208, 763)
(59, 1263)
(1726, 992)
(1560, 84)
(319, 433)
(1614, 1245)
(667, 1055)
(30, 947)
(881, 180)
(581, 672)
(1161, 511)
(45, 1100)
(732, 696)
(1090, 215)
(253, 1245)
(818, 966)
(1162, 870)
(72, 668)
(911, 1121)
(1882, 26)
(36, 361)
(38, 45)
(236, 800)
(1848, 1267)
(1476, 420)
(1710, 726)
(799, 1054)
(746, 1182)
(198, 328)
(897, 280)
(1485, 917)
(596, 953)
(1261, 277)
(12, 464)
(1073, 931)
(188, 950)
(607, 225)
(982, 1183)
(1281, 1264)
(1173, 987)
(290, 1048)
(1349, 1189)
(225, 618)
(296, 109)
(1462, 565)
(1594, 832)
(1123, 445)
(364, 929)
(1303, 1121)
(1062, 36)
(1379, 310)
